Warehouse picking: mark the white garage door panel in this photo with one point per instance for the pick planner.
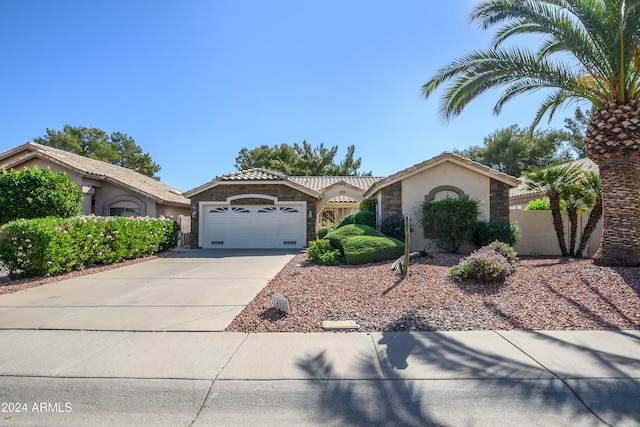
(281, 226)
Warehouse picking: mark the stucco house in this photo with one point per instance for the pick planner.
(108, 190)
(257, 208)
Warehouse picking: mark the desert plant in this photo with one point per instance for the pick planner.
(450, 221)
(503, 231)
(489, 264)
(366, 249)
(323, 253)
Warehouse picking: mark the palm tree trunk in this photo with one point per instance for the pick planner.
(572, 213)
(613, 143)
(554, 204)
(620, 177)
(592, 222)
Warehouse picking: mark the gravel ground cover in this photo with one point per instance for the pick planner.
(544, 294)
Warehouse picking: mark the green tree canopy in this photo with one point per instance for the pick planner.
(37, 193)
(118, 148)
(513, 150)
(300, 160)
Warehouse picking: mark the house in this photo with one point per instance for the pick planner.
(108, 190)
(446, 175)
(257, 208)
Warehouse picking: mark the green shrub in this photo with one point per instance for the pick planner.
(48, 246)
(323, 253)
(37, 193)
(366, 249)
(489, 264)
(322, 232)
(364, 218)
(393, 226)
(543, 205)
(489, 231)
(339, 235)
(450, 221)
(369, 205)
(538, 205)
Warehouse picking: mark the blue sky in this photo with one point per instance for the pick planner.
(194, 81)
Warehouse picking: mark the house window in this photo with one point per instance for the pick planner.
(127, 211)
(329, 216)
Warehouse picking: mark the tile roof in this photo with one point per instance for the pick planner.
(96, 169)
(255, 174)
(319, 183)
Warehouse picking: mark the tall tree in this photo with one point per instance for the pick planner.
(513, 150)
(553, 183)
(300, 160)
(118, 148)
(577, 127)
(589, 51)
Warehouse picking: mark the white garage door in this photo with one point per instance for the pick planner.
(254, 226)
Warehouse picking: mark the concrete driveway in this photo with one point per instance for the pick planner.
(197, 290)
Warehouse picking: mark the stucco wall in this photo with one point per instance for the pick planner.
(224, 191)
(538, 236)
(416, 187)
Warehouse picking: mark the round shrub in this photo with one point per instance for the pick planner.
(323, 253)
(505, 250)
(363, 218)
(489, 231)
(489, 264)
(37, 193)
(366, 249)
(338, 236)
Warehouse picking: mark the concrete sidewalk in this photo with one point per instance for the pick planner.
(489, 378)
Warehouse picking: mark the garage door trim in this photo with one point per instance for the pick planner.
(204, 205)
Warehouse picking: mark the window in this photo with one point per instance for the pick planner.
(124, 211)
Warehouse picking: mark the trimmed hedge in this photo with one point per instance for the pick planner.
(363, 217)
(49, 246)
(366, 249)
(339, 235)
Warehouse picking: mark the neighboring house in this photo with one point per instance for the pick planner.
(264, 209)
(108, 190)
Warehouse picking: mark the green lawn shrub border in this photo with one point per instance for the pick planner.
(50, 246)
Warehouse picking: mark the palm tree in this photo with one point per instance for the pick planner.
(553, 182)
(589, 51)
(593, 198)
(575, 199)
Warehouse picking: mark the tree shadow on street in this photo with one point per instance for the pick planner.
(434, 378)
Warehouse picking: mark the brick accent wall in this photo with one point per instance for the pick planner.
(392, 199)
(222, 192)
(498, 201)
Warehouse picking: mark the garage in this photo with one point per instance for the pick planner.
(254, 226)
